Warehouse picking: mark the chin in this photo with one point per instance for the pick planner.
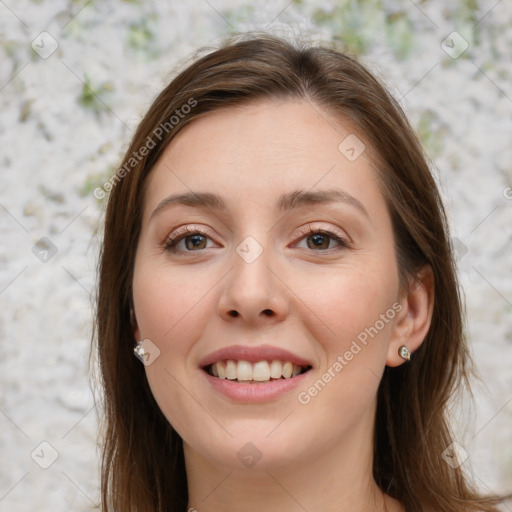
(256, 445)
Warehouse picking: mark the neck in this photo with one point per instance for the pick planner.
(283, 491)
(339, 479)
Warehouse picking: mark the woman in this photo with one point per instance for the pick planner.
(276, 255)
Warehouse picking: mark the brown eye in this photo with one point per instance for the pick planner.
(318, 241)
(188, 240)
(322, 240)
(195, 242)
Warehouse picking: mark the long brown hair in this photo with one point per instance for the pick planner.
(143, 465)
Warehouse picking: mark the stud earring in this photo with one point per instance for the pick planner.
(138, 350)
(404, 353)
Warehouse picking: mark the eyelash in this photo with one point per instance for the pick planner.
(336, 236)
(173, 240)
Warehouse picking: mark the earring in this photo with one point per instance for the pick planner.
(404, 353)
(138, 350)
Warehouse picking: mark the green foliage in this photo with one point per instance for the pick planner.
(347, 23)
(465, 17)
(470, 10)
(96, 180)
(399, 34)
(364, 24)
(431, 133)
(141, 37)
(91, 97)
(238, 17)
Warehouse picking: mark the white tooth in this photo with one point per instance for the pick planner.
(244, 370)
(221, 369)
(276, 369)
(230, 369)
(260, 371)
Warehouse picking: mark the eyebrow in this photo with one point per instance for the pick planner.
(286, 202)
(304, 198)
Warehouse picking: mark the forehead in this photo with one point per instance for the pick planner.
(259, 151)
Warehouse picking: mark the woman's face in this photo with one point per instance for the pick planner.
(266, 249)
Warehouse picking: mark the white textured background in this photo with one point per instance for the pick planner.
(66, 119)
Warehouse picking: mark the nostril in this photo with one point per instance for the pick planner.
(267, 312)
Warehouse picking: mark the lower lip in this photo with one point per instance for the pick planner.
(254, 393)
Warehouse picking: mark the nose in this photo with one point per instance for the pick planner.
(253, 293)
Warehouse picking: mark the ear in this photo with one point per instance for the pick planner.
(413, 320)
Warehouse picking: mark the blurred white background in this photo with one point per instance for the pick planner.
(75, 79)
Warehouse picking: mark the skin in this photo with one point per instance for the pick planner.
(313, 302)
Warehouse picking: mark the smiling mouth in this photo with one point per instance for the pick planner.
(260, 372)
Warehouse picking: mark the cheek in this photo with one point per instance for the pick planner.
(172, 309)
(357, 317)
(168, 303)
(344, 304)
(354, 349)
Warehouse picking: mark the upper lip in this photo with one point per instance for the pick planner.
(253, 355)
